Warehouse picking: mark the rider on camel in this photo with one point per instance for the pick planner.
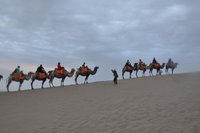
(59, 68)
(141, 63)
(17, 70)
(155, 63)
(128, 63)
(40, 69)
(170, 62)
(84, 67)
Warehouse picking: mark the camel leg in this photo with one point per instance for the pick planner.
(20, 84)
(8, 85)
(166, 70)
(32, 83)
(76, 79)
(136, 73)
(51, 82)
(172, 71)
(62, 82)
(19, 87)
(86, 80)
(151, 72)
(43, 82)
(123, 74)
(130, 75)
(143, 74)
(157, 72)
(50, 85)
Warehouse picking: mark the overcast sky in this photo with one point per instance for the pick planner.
(102, 33)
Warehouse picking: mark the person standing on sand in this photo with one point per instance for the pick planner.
(115, 76)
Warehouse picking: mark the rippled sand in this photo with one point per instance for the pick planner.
(160, 104)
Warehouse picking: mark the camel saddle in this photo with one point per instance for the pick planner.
(142, 65)
(84, 69)
(128, 68)
(18, 76)
(157, 65)
(42, 75)
(60, 71)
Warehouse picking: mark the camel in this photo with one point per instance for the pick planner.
(1, 77)
(63, 75)
(16, 77)
(129, 69)
(158, 67)
(143, 68)
(87, 74)
(171, 65)
(40, 76)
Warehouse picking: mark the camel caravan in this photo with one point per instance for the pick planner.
(141, 66)
(61, 73)
(41, 75)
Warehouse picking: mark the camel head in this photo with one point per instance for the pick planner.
(163, 65)
(30, 74)
(175, 64)
(95, 70)
(71, 73)
(1, 77)
(135, 65)
(27, 77)
(72, 70)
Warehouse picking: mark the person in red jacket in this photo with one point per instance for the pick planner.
(59, 68)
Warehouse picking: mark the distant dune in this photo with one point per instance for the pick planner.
(159, 104)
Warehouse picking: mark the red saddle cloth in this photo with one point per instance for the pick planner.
(19, 76)
(42, 75)
(84, 69)
(157, 65)
(60, 71)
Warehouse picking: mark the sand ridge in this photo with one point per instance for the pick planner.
(167, 103)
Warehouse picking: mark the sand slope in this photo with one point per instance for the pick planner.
(162, 104)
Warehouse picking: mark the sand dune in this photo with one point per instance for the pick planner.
(161, 104)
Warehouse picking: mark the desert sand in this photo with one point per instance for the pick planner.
(159, 104)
